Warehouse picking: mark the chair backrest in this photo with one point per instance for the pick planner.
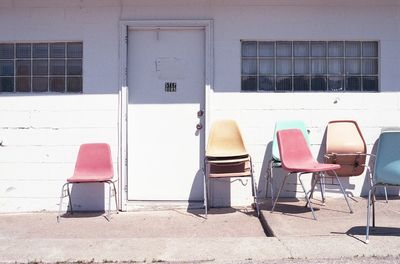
(345, 137)
(387, 162)
(294, 149)
(287, 124)
(94, 163)
(225, 140)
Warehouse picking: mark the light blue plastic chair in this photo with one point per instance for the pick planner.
(386, 169)
(275, 161)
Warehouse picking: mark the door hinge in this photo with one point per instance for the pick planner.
(126, 188)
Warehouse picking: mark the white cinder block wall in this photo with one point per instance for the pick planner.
(41, 132)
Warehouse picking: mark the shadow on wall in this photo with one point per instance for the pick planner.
(290, 188)
(88, 197)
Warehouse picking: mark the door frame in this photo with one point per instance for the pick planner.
(124, 27)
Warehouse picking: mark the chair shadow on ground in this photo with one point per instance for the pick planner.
(286, 207)
(222, 210)
(373, 231)
(84, 214)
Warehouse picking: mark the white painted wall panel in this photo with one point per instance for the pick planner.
(49, 119)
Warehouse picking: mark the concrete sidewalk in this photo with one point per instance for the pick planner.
(227, 236)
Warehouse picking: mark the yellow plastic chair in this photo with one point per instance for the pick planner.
(227, 157)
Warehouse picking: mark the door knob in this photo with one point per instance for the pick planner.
(199, 126)
(200, 113)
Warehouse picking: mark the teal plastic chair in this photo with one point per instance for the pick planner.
(386, 169)
(275, 161)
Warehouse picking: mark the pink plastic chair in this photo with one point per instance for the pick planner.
(296, 157)
(93, 165)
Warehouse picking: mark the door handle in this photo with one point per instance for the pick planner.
(200, 113)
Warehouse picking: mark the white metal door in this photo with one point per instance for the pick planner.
(166, 73)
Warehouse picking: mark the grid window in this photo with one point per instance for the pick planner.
(318, 66)
(43, 67)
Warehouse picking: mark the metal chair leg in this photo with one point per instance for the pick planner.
(344, 194)
(269, 180)
(205, 195)
(61, 200)
(255, 194)
(386, 195)
(70, 200)
(305, 193)
(109, 203)
(115, 196)
(279, 192)
(369, 214)
(314, 183)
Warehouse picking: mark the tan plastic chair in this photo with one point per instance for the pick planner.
(345, 145)
(227, 157)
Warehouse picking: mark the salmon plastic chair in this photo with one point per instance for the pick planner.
(275, 161)
(297, 158)
(93, 165)
(227, 157)
(345, 145)
(386, 170)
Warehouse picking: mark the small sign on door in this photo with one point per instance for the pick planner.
(170, 87)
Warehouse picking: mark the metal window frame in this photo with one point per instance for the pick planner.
(310, 75)
(48, 59)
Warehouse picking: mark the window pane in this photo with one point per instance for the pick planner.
(370, 66)
(283, 83)
(23, 67)
(353, 66)
(370, 83)
(283, 66)
(353, 83)
(23, 50)
(23, 84)
(249, 66)
(249, 83)
(6, 68)
(266, 49)
(301, 83)
(266, 83)
(40, 84)
(318, 83)
(74, 84)
(40, 50)
(74, 67)
(370, 49)
(57, 50)
(284, 49)
(6, 84)
(267, 66)
(57, 67)
(335, 49)
(318, 49)
(249, 49)
(40, 67)
(74, 50)
(57, 84)
(335, 66)
(318, 66)
(353, 48)
(6, 51)
(301, 49)
(336, 84)
(301, 66)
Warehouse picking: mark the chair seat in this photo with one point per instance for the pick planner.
(313, 167)
(89, 178)
(228, 160)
